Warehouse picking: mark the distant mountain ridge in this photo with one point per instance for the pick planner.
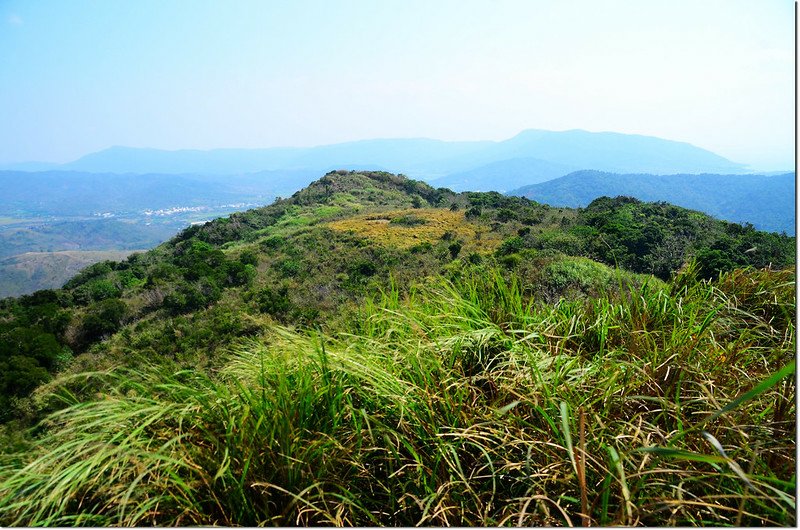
(504, 175)
(765, 201)
(365, 153)
(426, 159)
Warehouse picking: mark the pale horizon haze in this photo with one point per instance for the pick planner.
(77, 77)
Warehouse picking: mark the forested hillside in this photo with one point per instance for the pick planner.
(376, 351)
(765, 201)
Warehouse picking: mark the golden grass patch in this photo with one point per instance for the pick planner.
(432, 224)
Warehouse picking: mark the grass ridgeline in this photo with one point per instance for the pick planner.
(460, 404)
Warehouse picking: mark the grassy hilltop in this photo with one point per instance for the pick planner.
(375, 351)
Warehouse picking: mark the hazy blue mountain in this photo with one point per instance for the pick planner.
(425, 158)
(765, 201)
(405, 153)
(29, 166)
(216, 161)
(615, 152)
(503, 175)
(578, 149)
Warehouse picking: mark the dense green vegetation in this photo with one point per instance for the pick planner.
(658, 237)
(765, 201)
(375, 351)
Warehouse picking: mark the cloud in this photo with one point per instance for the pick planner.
(15, 20)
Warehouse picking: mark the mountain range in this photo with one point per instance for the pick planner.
(422, 158)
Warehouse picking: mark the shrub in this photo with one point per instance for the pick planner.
(236, 273)
(288, 267)
(272, 242)
(191, 297)
(249, 257)
(579, 275)
(473, 212)
(274, 302)
(89, 273)
(103, 289)
(363, 268)
(562, 242)
(408, 220)
(510, 246)
(30, 342)
(505, 215)
(102, 319)
(713, 262)
(454, 249)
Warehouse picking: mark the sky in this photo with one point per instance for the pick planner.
(80, 76)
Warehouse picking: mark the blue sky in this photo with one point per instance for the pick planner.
(79, 76)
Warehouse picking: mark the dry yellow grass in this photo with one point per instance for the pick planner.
(379, 228)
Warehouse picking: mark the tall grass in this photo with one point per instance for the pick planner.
(459, 404)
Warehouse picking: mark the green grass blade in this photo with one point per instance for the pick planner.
(760, 388)
(567, 435)
(681, 454)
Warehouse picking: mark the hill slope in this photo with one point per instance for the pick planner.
(306, 258)
(766, 201)
(372, 341)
